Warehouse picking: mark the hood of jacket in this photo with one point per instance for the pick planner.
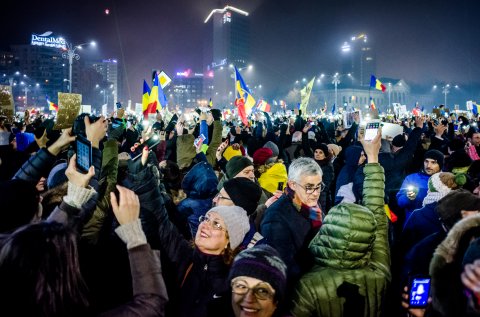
(271, 177)
(346, 237)
(200, 182)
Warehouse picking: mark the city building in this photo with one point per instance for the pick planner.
(227, 43)
(189, 89)
(358, 59)
(109, 87)
(43, 71)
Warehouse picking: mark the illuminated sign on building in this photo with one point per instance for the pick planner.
(48, 40)
(227, 17)
(220, 63)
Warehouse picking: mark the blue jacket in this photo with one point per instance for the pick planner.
(200, 186)
(422, 223)
(420, 182)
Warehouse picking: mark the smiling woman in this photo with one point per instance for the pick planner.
(258, 279)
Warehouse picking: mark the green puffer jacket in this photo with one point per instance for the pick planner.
(352, 258)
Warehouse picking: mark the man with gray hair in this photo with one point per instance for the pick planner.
(293, 220)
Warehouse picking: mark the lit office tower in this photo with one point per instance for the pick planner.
(108, 68)
(358, 59)
(228, 43)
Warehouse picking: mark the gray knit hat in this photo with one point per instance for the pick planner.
(272, 146)
(237, 223)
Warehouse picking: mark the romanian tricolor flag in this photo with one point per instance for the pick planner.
(377, 84)
(243, 97)
(372, 104)
(146, 100)
(51, 105)
(263, 106)
(390, 214)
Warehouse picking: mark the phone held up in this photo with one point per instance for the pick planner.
(150, 143)
(371, 130)
(84, 154)
(419, 290)
(280, 186)
(199, 140)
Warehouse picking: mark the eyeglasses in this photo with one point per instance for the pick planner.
(310, 190)
(214, 223)
(261, 291)
(219, 196)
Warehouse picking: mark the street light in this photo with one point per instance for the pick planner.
(71, 55)
(336, 81)
(445, 91)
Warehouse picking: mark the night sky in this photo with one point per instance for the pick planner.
(423, 42)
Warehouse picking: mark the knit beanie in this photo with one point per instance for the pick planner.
(262, 155)
(237, 223)
(263, 263)
(444, 182)
(440, 184)
(236, 164)
(334, 148)
(272, 146)
(449, 207)
(244, 193)
(435, 155)
(230, 152)
(57, 176)
(399, 140)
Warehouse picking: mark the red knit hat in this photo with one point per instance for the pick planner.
(262, 155)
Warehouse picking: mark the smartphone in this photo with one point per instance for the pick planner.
(371, 130)
(200, 138)
(280, 186)
(151, 143)
(84, 154)
(312, 123)
(419, 291)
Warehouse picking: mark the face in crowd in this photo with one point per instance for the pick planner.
(308, 190)
(431, 166)
(319, 155)
(252, 297)
(247, 172)
(476, 139)
(212, 236)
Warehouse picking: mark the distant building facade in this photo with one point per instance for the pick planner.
(228, 36)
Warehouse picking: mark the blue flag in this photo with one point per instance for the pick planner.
(298, 105)
(333, 109)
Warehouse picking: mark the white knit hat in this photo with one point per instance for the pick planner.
(237, 223)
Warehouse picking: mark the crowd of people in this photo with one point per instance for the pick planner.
(200, 215)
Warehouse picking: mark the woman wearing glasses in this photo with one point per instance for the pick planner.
(258, 279)
(291, 222)
(200, 273)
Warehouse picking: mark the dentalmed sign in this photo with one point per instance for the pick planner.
(48, 40)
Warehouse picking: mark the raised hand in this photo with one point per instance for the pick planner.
(96, 131)
(127, 208)
(77, 178)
